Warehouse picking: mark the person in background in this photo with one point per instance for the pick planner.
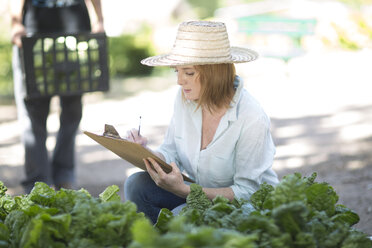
(41, 17)
(219, 135)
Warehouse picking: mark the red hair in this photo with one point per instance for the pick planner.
(217, 85)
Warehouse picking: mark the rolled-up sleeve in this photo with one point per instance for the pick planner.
(253, 160)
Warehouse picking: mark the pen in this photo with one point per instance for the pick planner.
(132, 136)
(139, 127)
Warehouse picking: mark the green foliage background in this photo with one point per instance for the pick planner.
(205, 8)
(6, 84)
(126, 52)
(356, 3)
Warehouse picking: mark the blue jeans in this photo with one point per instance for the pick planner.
(149, 198)
(32, 115)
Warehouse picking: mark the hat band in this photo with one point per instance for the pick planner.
(193, 52)
(201, 36)
(202, 44)
(181, 59)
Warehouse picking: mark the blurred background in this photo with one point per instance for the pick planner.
(313, 79)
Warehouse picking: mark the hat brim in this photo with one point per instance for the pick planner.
(238, 55)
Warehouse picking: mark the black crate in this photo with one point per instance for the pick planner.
(64, 64)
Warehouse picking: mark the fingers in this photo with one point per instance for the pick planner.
(153, 174)
(132, 135)
(155, 171)
(172, 182)
(156, 167)
(149, 168)
(175, 168)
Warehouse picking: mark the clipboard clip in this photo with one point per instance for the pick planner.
(110, 131)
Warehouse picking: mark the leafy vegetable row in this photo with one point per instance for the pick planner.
(66, 218)
(298, 212)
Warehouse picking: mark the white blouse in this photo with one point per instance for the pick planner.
(241, 153)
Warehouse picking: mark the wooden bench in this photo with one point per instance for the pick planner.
(294, 28)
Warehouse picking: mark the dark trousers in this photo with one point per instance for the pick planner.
(149, 198)
(32, 115)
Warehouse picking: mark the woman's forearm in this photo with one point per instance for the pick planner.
(225, 192)
(211, 193)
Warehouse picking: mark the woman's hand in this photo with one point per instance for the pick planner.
(172, 181)
(132, 135)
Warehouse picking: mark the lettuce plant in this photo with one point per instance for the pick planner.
(298, 212)
(65, 218)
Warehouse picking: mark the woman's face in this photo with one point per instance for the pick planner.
(187, 78)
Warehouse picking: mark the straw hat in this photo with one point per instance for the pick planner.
(200, 43)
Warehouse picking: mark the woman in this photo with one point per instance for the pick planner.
(219, 135)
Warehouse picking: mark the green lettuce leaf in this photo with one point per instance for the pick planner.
(164, 218)
(345, 215)
(356, 239)
(182, 234)
(291, 189)
(327, 233)
(322, 197)
(197, 199)
(3, 189)
(42, 194)
(291, 217)
(261, 198)
(16, 221)
(144, 235)
(110, 194)
(4, 235)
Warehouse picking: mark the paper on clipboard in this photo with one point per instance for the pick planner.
(132, 152)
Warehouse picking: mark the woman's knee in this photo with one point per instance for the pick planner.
(135, 185)
(177, 210)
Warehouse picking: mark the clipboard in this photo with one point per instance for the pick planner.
(132, 152)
